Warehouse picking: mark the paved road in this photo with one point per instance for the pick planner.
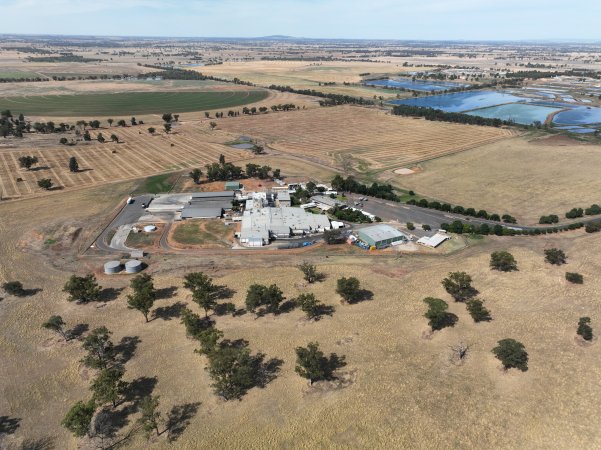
(130, 214)
(402, 212)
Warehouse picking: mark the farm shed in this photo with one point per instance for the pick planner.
(200, 212)
(434, 241)
(381, 235)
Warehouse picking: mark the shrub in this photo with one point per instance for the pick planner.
(477, 310)
(584, 328)
(592, 227)
(14, 288)
(348, 289)
(574, 277)
(593, 210)
(437, 315)
(426, 227)
(555, 256)
(512, 354)
(574, 213)
(503, 261)
(459, 285)
(410, 226)
(549, 219)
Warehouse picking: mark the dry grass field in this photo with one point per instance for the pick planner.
(400, 389)
(308, 75)
(523, 176)
(138, 155)
(375, 139)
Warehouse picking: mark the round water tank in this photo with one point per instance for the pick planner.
(133, 266)
(112, 267)
(149, 228)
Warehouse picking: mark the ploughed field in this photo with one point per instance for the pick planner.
(137, 156)
(129, 103)
(379, 140)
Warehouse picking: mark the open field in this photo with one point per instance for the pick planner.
(525, 177)
(139, 155)
(128, 103)
(375, 139)
(400, 389)
(309, 75)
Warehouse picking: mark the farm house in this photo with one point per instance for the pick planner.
(380, 236)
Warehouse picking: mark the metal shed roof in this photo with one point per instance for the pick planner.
(200, 195)
(381, 232)
(195, 212)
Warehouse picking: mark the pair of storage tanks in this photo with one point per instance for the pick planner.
(131, 266)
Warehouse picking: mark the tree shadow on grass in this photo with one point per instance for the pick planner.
(78, 330)
(268, 371)
(224, 292)
(179, 418)
(30, 292)
(126, 348)
(362, 295)
(324, 310)
(168, 292)
(45, 443)
(8, 425)
(168, 312)
(110, 294)
(140, 388)
(287, 306)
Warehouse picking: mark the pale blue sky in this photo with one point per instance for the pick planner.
(369, 19)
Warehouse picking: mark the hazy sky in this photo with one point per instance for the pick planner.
(381, 19)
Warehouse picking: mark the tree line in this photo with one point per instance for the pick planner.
(383, 191)
(442, 116)
(482, 214)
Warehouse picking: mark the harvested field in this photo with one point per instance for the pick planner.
(139, 155)
(310, 75)
(398, 390)
(378, 140)
(525, 178)
(128, 103)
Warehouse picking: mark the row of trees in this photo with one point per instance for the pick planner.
(384, 191)
(460, 227)
(472, 212)
(225, 171)
(442, 116)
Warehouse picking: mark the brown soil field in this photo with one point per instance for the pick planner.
(399, 388)
(376, 139)
(138, 155)
(524, 177)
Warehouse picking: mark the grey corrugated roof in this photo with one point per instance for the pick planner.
(197, 195)
(381, 232)
(191, 212)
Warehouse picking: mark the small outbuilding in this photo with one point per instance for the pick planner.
(381, 235)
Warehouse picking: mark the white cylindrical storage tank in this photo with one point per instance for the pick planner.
(150, 228)
(133, 266)
(112, 267)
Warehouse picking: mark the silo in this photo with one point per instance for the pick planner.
(133, 266)
(112, 267)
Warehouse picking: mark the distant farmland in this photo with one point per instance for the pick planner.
(129, 103)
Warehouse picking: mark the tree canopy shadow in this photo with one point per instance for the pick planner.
(168, 292)
(45, 443)
(224, 292)
(139, 388)
(110, 294)
(179, 418)
(126, 348)
(78, 330)
(324, 310)
(362, 295)
(268, 371)
(168, 312)
(287, 306)
(30, 292)
(222, 309)
(8, 425)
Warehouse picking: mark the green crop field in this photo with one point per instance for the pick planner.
(18, 75)
(128, 103)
